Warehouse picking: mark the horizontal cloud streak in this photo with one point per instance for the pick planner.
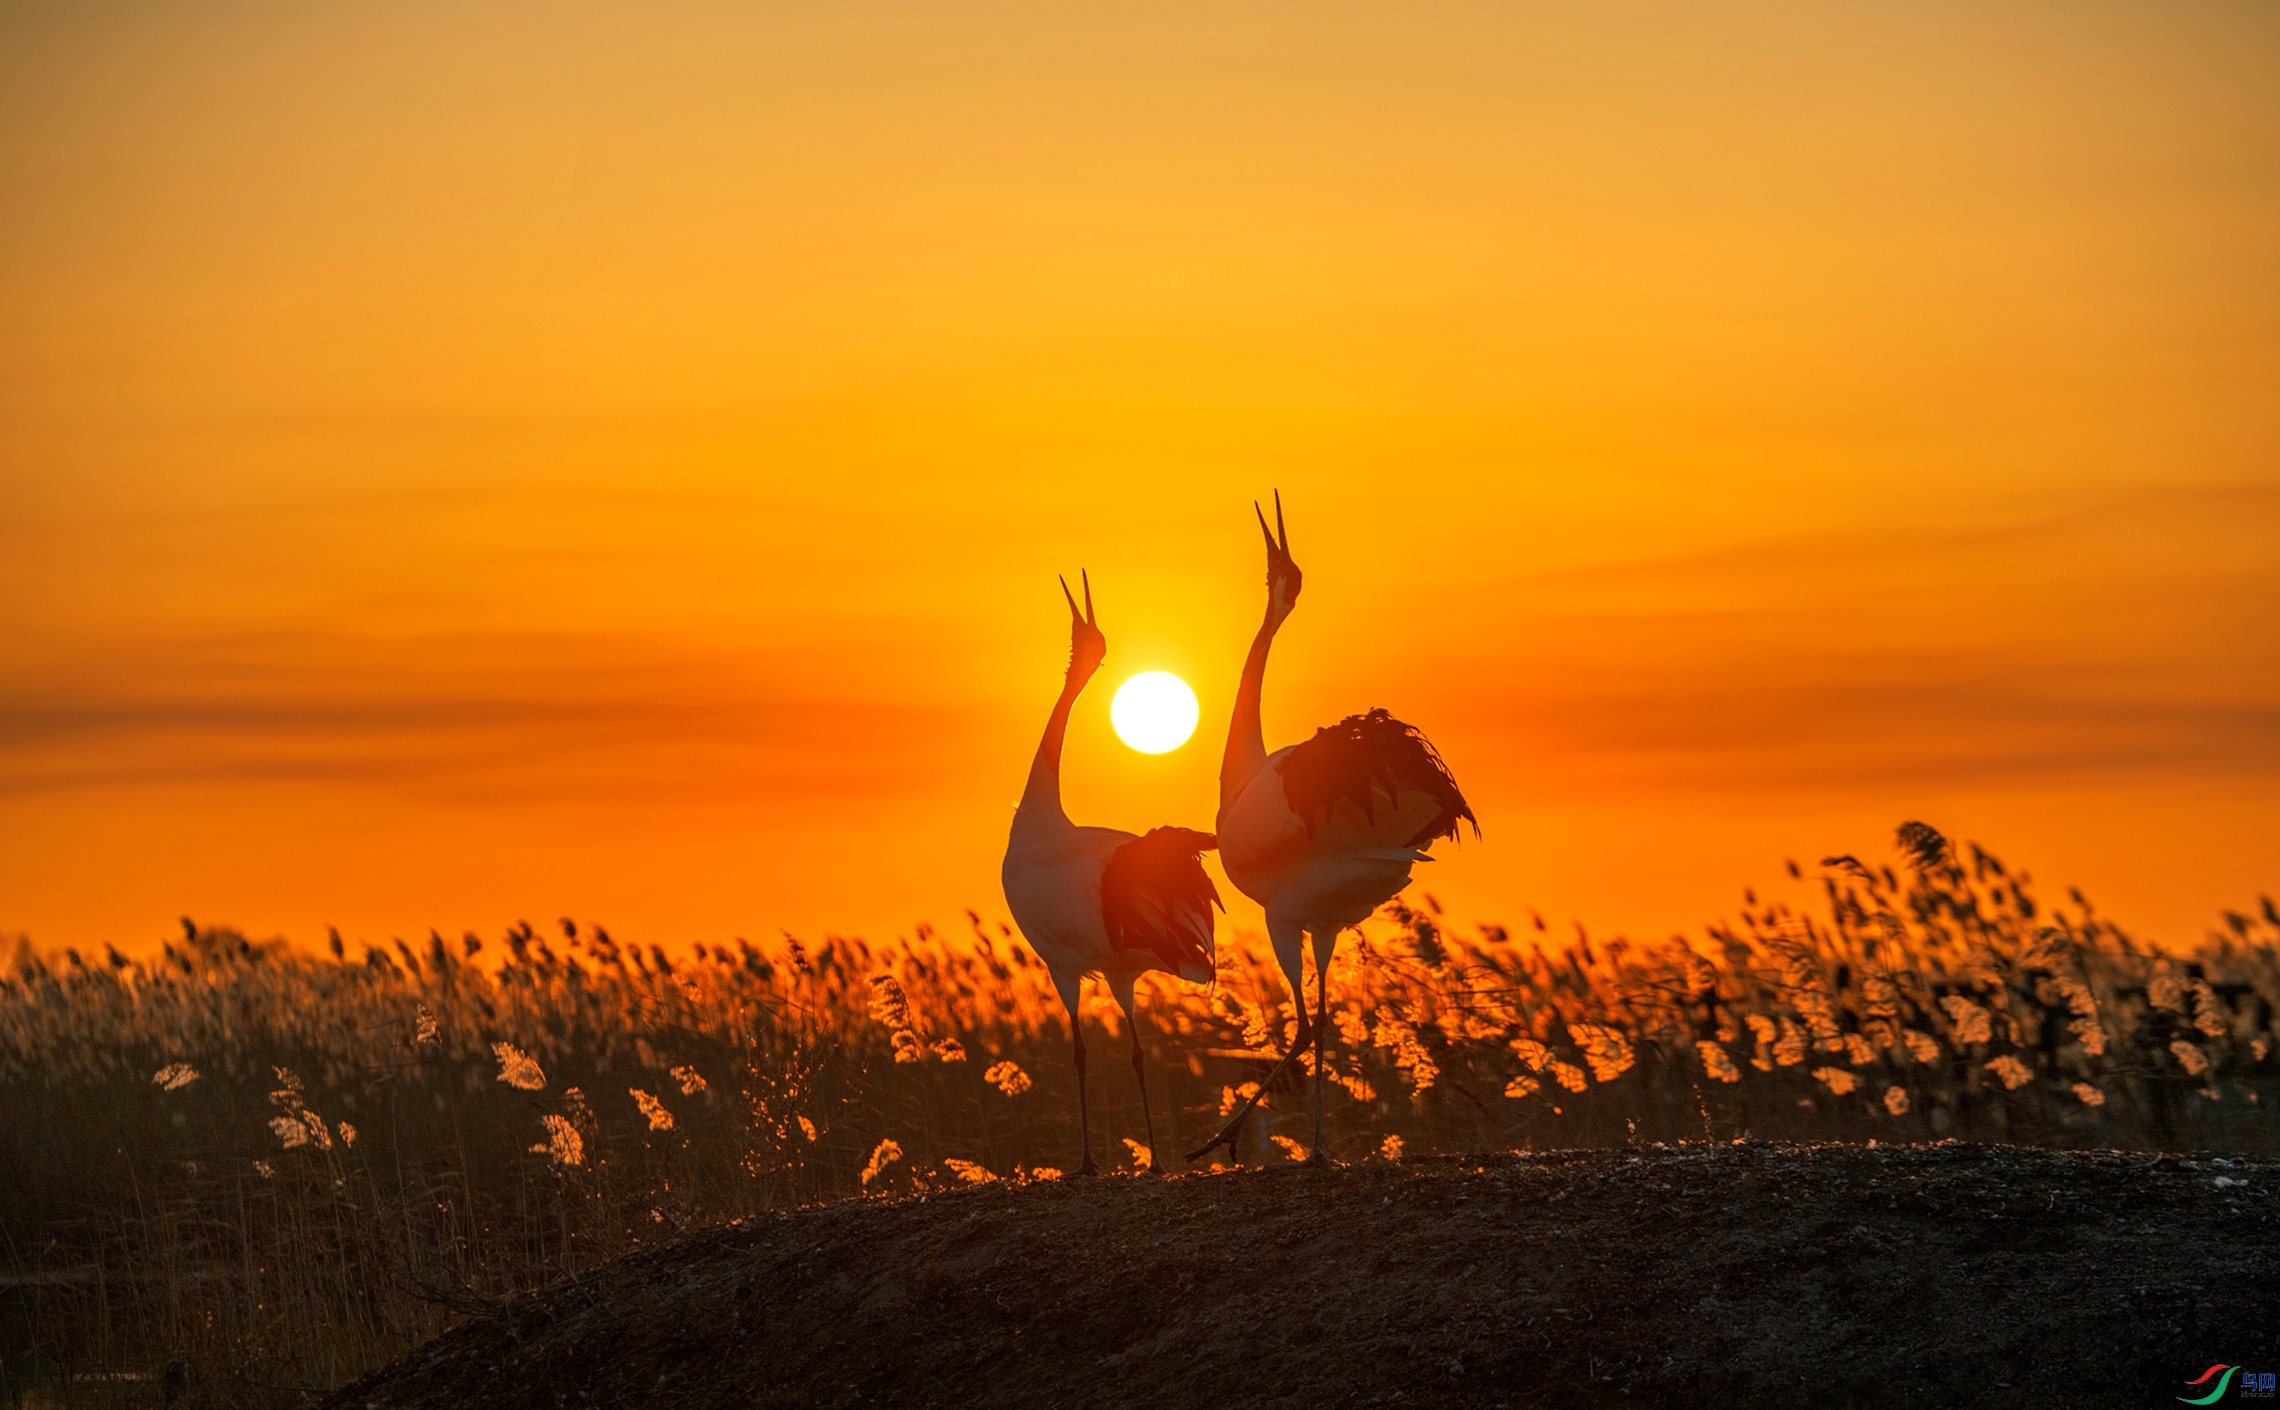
(2133, 639)
(467, 718)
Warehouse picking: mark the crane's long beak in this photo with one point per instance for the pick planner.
(1085, 617)
(1278, 538)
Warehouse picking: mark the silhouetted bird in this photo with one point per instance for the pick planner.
(1093, 900)
(1321, 833)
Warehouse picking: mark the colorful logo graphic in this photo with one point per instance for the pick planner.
(2223, 1384)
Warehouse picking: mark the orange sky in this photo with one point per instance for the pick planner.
(469, 462)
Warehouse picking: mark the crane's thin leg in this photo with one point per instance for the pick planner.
(1084, 1116)
(1314, 1156)
(1310, 1032)
(1139, 1074)
(1233, 1130)
(1288, 939)
(1070, 988)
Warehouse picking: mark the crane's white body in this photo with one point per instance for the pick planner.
(1052, 877)
(1325, 881)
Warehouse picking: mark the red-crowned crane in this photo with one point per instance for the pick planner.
(1321, 833)
(1093, 900)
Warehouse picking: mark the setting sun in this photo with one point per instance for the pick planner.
(1154, 712)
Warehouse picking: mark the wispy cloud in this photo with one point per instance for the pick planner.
(467, 717)
(2133, 638)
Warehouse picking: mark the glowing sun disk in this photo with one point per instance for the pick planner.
(1154, 712)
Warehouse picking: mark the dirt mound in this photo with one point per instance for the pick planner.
(1697, 1275)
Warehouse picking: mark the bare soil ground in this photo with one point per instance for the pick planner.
(1693, 1275)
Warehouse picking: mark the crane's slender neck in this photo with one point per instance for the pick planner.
(1041, 800)
(1246, 738)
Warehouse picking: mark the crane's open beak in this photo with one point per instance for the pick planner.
(1275, 548)
(1084, 618)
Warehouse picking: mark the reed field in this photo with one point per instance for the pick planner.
(242, 1171)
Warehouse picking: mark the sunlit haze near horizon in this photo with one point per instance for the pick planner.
(467, 463)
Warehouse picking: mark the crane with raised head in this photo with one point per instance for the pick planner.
(1323, 832)
(1099, 901)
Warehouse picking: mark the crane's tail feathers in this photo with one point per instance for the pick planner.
(1362, 755)
(1156, 898)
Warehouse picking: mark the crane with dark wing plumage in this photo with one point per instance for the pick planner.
(1321, 833)
(1094, 900)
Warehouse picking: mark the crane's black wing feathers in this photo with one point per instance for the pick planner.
(1150, 885)
(1352, 758)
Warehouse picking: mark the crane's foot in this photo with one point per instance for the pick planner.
(1228, 1136)
(1234, 1126)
